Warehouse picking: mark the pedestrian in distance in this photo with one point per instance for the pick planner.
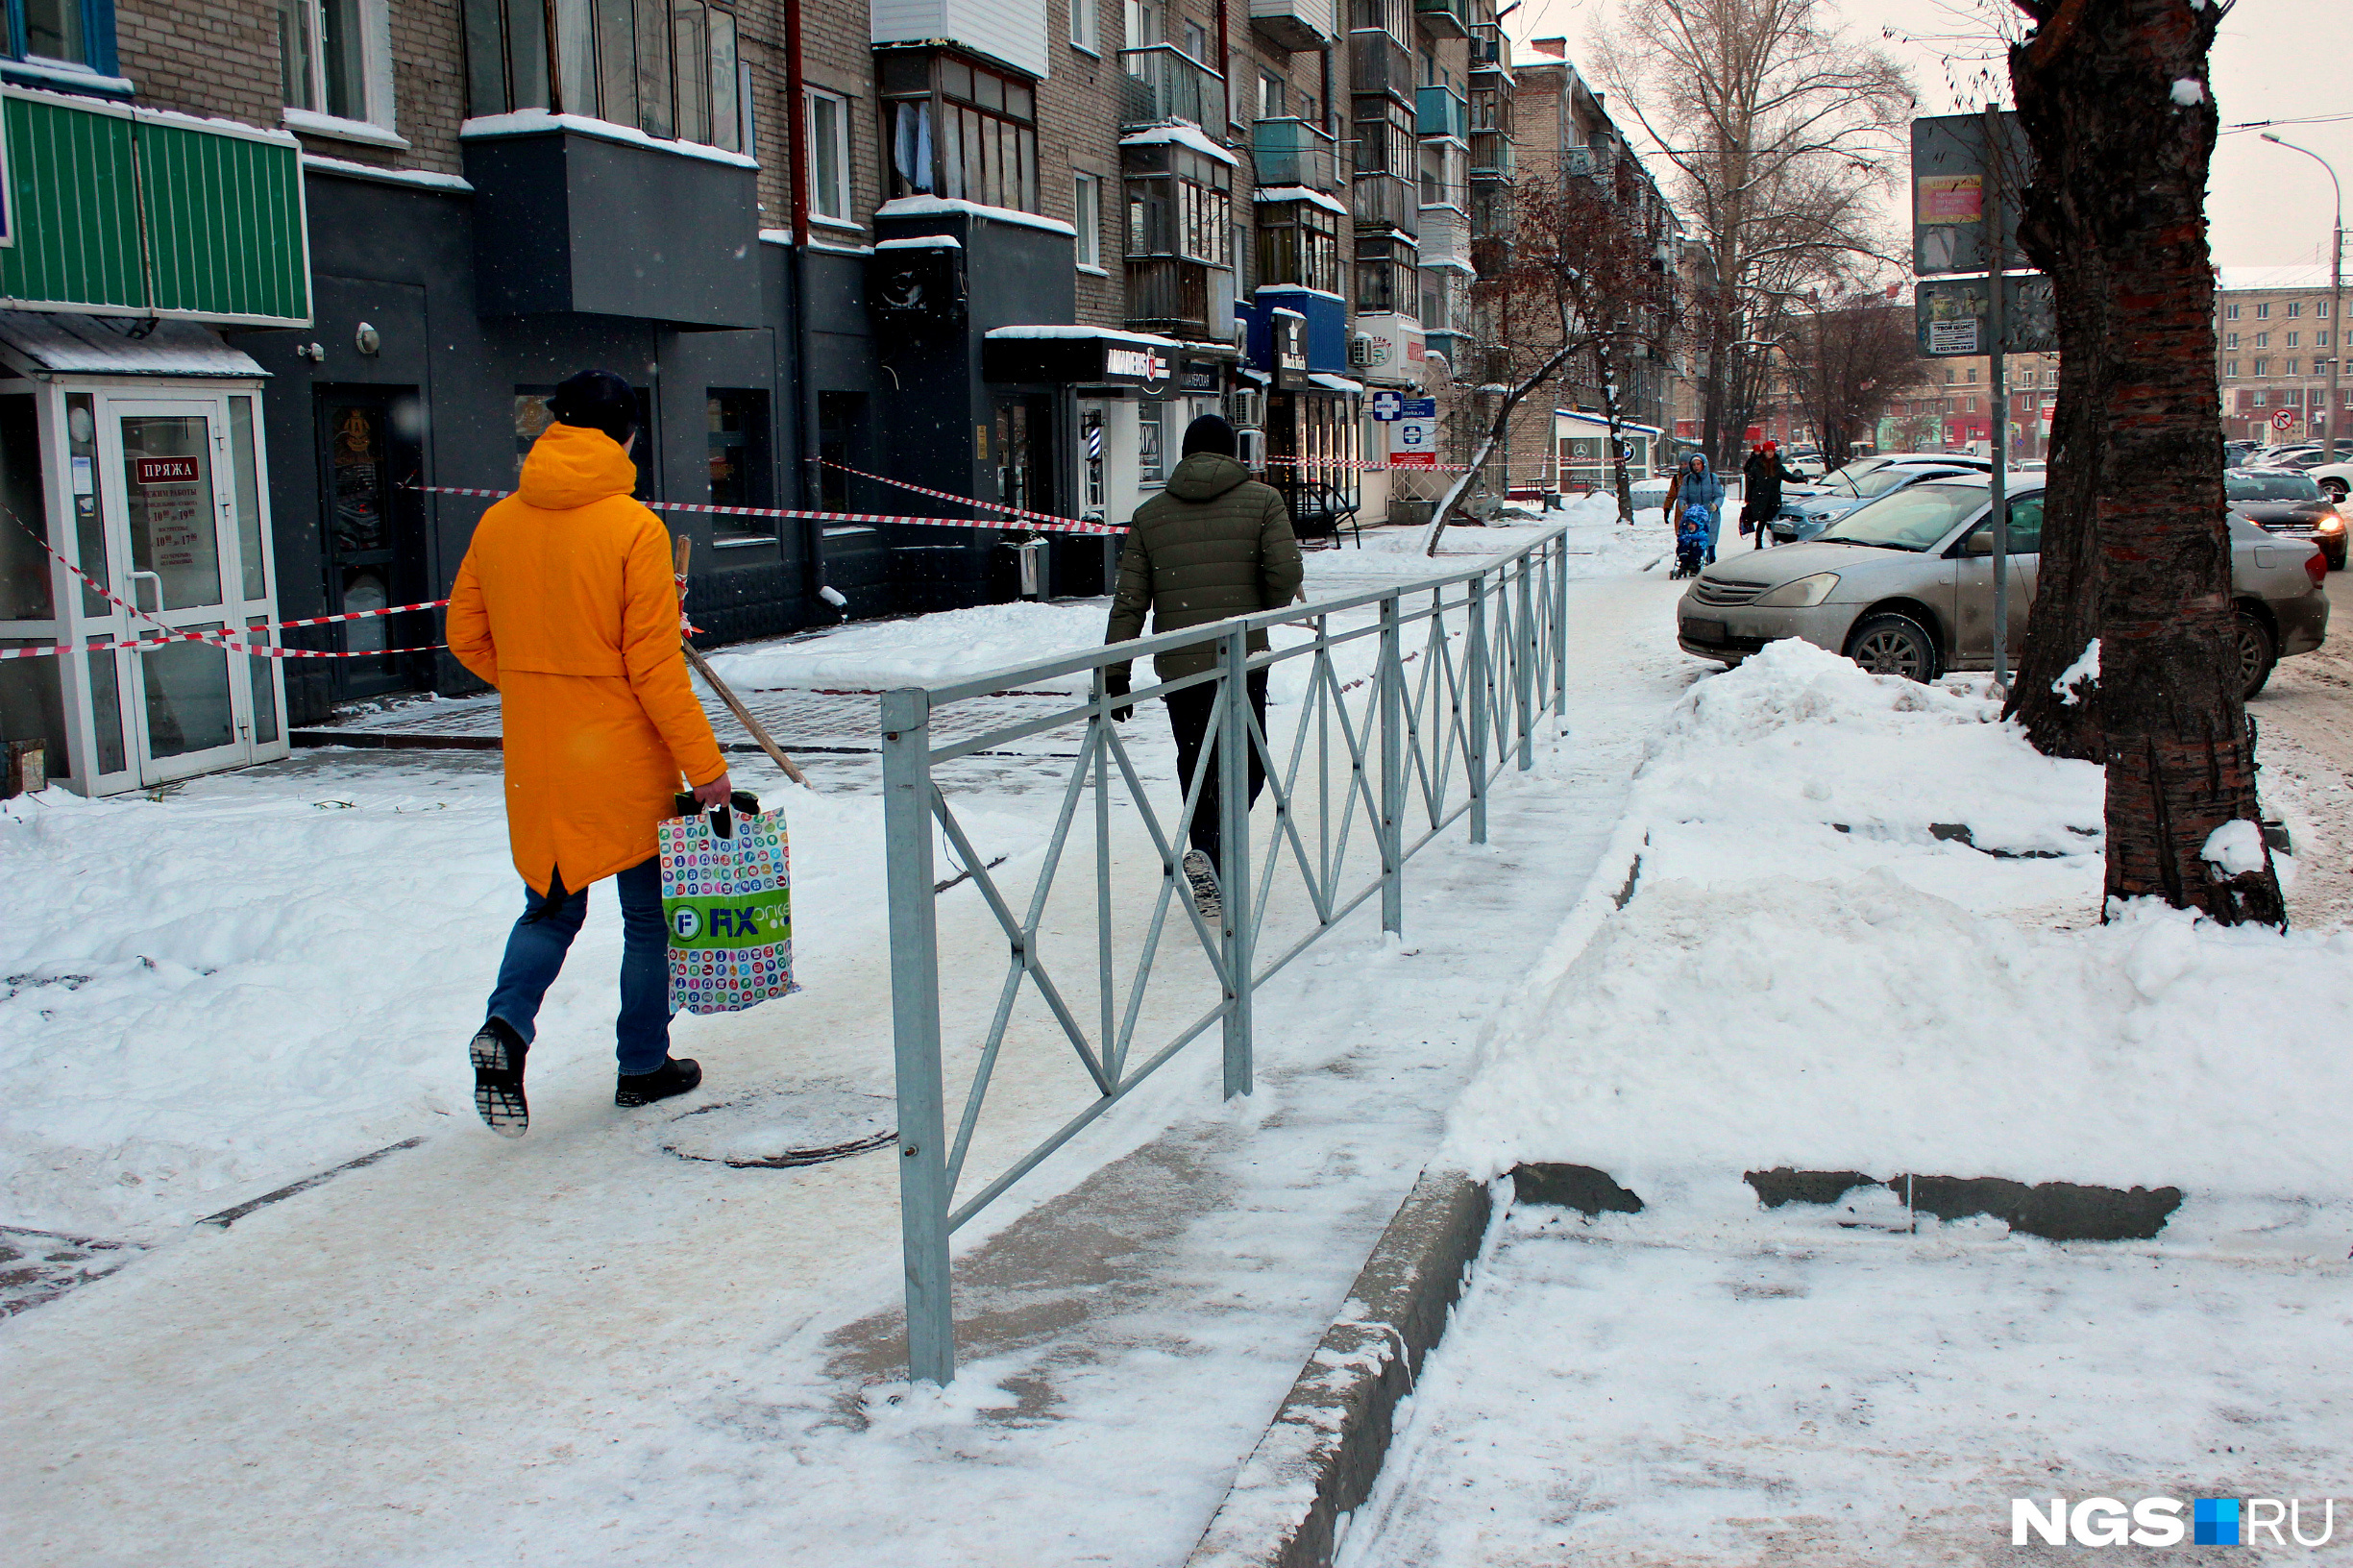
(566, 603)
(1696, 482)
(1216, 543)
(1761, 478)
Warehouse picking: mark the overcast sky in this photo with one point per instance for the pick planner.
(2275, 59)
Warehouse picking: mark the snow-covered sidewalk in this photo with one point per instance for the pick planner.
(583, 1348)
(1865, 939)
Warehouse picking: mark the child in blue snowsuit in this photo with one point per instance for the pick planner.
(1691, 540)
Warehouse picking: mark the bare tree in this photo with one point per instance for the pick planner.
(1848, 360)
(2134, 549)
(1587, 283)
(1781, 131)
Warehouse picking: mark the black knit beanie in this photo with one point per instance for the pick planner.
(1210, 433)
(597, 400)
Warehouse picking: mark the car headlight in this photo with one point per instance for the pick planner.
(1801, 595)
(2331, 522)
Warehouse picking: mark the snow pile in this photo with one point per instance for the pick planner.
(1833, 962)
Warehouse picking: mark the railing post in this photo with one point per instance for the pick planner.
(1524, 670)
(1392, 692)
(1234, 753)
(915, 1032)
(1475, 671)
(1560, 627)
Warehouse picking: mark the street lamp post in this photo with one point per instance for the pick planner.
(2335, 297)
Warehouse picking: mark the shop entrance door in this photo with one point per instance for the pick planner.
(374, 547)
(190, 703)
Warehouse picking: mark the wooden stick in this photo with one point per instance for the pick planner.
(684, 547)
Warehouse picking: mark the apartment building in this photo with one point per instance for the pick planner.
(1953, 410)
(1003, 251)
(2275, 337)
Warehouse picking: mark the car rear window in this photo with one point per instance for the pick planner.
(2272, 486)
(1913, 519)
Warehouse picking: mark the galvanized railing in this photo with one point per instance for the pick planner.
(1368, 771)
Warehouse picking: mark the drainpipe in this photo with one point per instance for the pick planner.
(804, 400)
(1225, 66)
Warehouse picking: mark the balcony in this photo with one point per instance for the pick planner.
(1493, 157)
(1443, 112)
(1385, 201)
(1445, 240)
(1294, 24)
(1177, 298)
(1165, 83)
(1444, 18)
(1378, 64)
(1594, 163)
(1291, 152)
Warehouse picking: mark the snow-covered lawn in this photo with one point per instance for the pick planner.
(1820, 969)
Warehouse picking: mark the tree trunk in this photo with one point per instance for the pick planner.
(1496, 430)
(2135, 550)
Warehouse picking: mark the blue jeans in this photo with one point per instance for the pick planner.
(535, 954)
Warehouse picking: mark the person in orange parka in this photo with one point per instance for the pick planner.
(566, 603)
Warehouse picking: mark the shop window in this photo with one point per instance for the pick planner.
(1148, 469)
(736, 430)
(1299, 242)
(24, 566)
(828, 157)
(959, 129)
(667, 68)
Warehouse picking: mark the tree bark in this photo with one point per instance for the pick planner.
(2135, 548)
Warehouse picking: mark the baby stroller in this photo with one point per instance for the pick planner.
(1690, 542)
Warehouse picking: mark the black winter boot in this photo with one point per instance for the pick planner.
(498, 1053)
(674, 1076)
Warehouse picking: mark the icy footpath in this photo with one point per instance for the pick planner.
(1864, 939)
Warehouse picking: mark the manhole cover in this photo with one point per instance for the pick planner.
(778, 1129)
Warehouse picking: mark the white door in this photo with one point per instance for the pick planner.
(190, 704)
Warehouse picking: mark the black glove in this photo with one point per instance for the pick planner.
(1115, 684)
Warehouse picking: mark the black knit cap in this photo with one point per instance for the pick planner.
(1210, 433)
(597, 400)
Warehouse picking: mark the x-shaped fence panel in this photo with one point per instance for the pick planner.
(1387, 717)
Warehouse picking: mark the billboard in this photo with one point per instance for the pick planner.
(1953, 316)
(1955, 174)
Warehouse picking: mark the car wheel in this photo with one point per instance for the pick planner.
(2336, 489)
(1894, 645)
(2257, 654)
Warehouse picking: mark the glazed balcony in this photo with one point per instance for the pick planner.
(1442, 111)
(1444, 18)
(1294, 151)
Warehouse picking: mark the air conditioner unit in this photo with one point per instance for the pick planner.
(1249, 408)
(1250, 448)
(1363, 351)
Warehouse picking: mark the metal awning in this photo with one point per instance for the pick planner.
(44, 343)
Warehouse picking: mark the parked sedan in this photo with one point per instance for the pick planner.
(2290, 504)
(2337, 478)
(1804, 517)
(1905, 586)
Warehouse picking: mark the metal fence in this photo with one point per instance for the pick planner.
(1396, 711)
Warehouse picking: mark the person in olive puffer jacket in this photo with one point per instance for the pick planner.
(1216, 543)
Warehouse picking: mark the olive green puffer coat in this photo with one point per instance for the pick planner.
(1216, 543)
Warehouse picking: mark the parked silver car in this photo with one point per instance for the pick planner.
(1905, 586)
(1806, 516)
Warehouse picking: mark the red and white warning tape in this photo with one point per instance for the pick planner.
(1367, 465)
(1041, 520)
(1053, 525)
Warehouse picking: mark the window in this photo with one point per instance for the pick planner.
(736, 422)
(2319, 308)
(2295, 308)
(1299, 242)
(1388, 276)
(2263, 367)
(1196, 41)
(1179, 203)
(2291, 339)
(959, 129)
(74, 32)
(667, 68)
(828, 157)
(2263, 399)
(1142, 24)
(1271, 96)
(1949, 375)
(2230, 340)
(1973, 378)
(2263, 312)
(2291, 369)
(2230, 367)
(321, 58)
(1087, 217)
(1149, 443)
(2319, 340)
(2262, 340)
(1083, 26)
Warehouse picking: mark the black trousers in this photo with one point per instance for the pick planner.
(1188, 720)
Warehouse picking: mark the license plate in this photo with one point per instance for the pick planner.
(1705, 631)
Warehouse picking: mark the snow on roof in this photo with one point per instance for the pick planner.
(1183, 136)
(2237, 280)
(94, 346)
(920, 242)
(1296, 288)
(929, 206)
(527, 122)
(1580, 416)
(424, 177)
(1299, 194)
(1106, 334)
(1337, 383)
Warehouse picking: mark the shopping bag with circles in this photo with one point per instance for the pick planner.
(727, 899)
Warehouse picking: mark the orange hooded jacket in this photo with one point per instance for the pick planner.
(566, 603)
